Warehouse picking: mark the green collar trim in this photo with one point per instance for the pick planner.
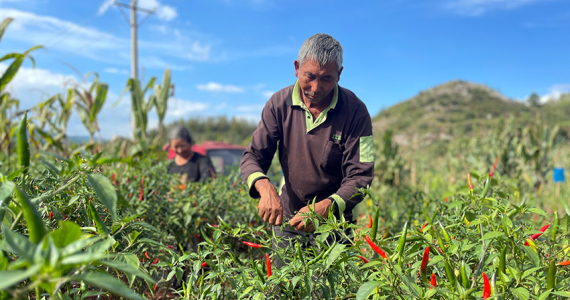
(297, 96)
(312, 124)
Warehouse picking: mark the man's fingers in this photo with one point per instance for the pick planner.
(272, 217)
(279, 219)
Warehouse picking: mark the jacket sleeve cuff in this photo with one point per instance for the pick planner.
(251, 179)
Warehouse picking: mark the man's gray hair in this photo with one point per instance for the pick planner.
(321, 48)
(180, 132)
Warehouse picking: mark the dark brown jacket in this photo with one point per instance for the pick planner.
(331, 160)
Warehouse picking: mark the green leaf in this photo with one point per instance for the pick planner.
(90, 254)
(105, 191)
(537, 211)
(324, 228)
(19, 244)
(67, 233)
(127, 269)
(10, 278)
(367, 289)
(4, 25)
(492, 235)
(246, 292)
(533, 256)
(109, 283)
(78, 246)
(521, 293)
(561, 293)
(435, 260)
(334, 254)
(544, 295)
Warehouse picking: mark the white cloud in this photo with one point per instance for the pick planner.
(555, 92)
(216, 87)
(179, 108)
(479, 7)
(267, 94)
(163, 12)
(34, 29)
(116, 71)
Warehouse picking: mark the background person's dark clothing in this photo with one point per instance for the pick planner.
(197, 169)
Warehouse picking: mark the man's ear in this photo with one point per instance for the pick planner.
(339, 71)
(297, 67)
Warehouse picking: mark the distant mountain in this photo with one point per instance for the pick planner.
(461, 108)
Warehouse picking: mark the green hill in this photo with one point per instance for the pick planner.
(461, 108)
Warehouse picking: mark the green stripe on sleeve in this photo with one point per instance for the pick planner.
(366, 149)
(254, 176)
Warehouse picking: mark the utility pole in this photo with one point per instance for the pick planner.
(134, 26)
(134, 51)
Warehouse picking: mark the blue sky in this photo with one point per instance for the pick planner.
(228, 56)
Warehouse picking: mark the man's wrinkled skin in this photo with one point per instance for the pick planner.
(316, 83)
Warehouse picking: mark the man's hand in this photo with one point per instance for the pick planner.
(321, 208)
(270, 208)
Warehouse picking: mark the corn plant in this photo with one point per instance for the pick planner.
(90, 103)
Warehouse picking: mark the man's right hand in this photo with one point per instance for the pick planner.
(270, 208)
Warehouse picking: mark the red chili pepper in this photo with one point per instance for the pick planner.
(494, 167)
(51, 215)
(142, 181)
(536, 235)
(252, 245)
(170, 247)
(469, 181)
(268, 261)
(204, 264)
(146, 255)
(155, 286)
(433, 281)
(370, 222)
(114, 177)
(130, 195)
(64, 217)
(486, 287)
(71, 192)
(424, 226)
(425, 260)
(142, 194)
(564, 263)
(155, 262)
(376, 248)
(446, 199)
(363, 259)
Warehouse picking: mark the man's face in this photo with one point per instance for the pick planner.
(316, 81)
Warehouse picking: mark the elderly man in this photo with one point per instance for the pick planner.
(324, 136)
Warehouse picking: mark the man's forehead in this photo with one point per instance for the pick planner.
(314, 67)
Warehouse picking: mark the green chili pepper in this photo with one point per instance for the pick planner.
(23, 146)
(300, 253)
(464, 277)
(450, 274)
(314, 260)
(502, 260)
(402, 243)
(551, 279)
(445, 234)
(101, 227)
(439, 241)
(236, 259)
(36, 228)
(375, 225)
(554, 229)
(486, 188)
(257, 271)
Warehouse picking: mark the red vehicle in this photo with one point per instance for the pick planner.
(222, 155)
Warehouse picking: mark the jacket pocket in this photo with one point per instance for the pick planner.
(332, 157)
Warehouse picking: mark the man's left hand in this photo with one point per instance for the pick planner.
(321, 208)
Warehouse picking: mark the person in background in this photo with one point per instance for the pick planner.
(192, 166)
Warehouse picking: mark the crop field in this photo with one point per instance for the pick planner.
(475, 218)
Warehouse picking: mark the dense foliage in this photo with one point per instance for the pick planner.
(481, 219)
